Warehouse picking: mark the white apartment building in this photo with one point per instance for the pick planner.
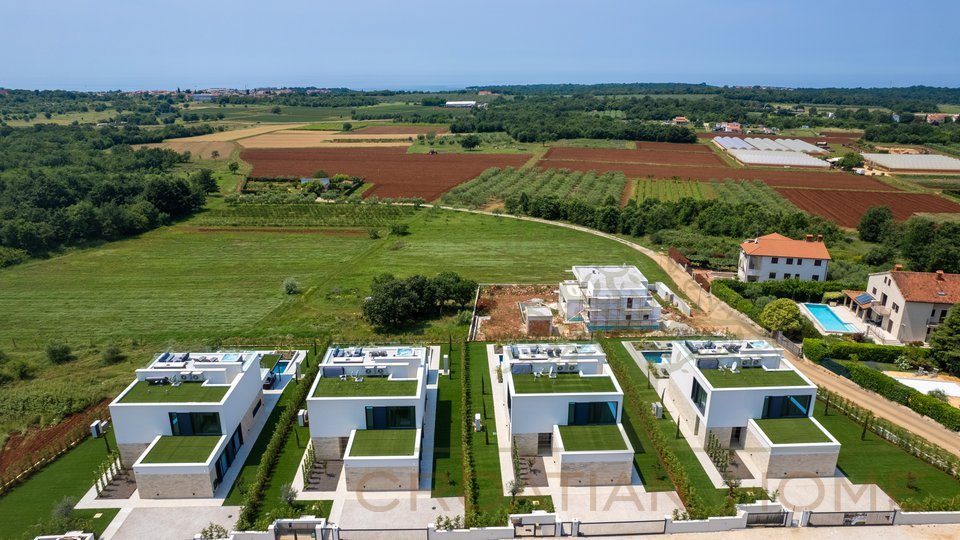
(906, 305)
(609, 298)
(748, 396)
(182, 422)
(774, 257)
(564, 401)
(366, 407)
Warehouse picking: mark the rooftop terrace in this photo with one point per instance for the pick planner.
(592, 438)
(792, 431)
(383, 442)
(188, 392)
(563, 383)
(182, 449)
(369, 387)
(757, 377)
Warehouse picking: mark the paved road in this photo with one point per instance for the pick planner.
(723, 317)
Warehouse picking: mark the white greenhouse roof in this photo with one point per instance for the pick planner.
(759, 143)
(765, 144)
(915, 162)
(732, 143)
(801, 146)
(786, 158)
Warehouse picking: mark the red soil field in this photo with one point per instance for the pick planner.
(772, 177)
(845, 208)
(654, 156)
(400, 130)
(673, 147)
(393, 172)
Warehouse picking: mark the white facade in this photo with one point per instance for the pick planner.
(907, 321)
(609, 297)
(775, 257)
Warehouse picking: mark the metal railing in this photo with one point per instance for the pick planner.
(851, 519)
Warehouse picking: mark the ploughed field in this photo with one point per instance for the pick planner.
(845, 208)
(392, 171)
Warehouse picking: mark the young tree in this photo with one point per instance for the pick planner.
(215, 154)
(781, 315)
(234, 166)
(876, 224)
(291, 286)
(850, 161)
(945, 342)
(347, 126)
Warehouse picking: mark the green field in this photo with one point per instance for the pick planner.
(496, 184)
(303, 215)
(672, 190)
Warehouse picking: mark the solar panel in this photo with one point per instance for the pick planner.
(864, 298)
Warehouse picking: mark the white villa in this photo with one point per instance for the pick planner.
(184, 419)
(366, 407)
(748, 396)
(774, 257)
(563, 400)
(609, 298)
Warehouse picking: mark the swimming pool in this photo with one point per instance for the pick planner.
(829, 320)
(280, 367)
(585, 349)
(404, 351)
(230, 357)
(655, 357)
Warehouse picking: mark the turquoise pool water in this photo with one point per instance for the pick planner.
(585, 349)
(280, 367)
(828, 319)
(230, 357)
(655, 356)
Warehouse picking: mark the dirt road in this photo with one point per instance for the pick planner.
(722, 316)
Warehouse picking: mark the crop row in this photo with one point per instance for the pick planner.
(497, 184)
(303, 215)
(672, 190)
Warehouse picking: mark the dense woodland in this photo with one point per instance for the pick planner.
(65, 185)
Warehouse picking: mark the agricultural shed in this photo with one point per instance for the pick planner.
(797, 145)
(923, 163)
(786, 158)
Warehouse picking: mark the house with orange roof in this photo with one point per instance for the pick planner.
(907, 305)
(774, 257)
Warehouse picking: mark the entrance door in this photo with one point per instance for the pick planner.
(735, 435)
(544, 443)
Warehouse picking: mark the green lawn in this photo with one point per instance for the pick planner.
(447, 478)
(587, 438)
(384, 442)
(70, 476)
(792, 430)
(876, 461)
(752, 378)
(190, 392)
(563, 383)
(182, 449)
(370, 387)
(486, 455)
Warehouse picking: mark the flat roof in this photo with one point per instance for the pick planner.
(752, 377)
(563, 383)
(792, 431)
(383, 442)
(610, 277)
(595, 438)
(188, 392)
(369, 387)
(182, 449)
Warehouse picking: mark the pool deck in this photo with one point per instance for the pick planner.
(848, 318)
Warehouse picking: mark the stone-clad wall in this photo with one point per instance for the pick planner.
(527, 443)
(327, 448)
(130, 453)
(174, 486)
(382, 478)
(596, 473)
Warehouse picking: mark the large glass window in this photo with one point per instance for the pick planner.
(786, 406)
(391, 417)
(699, 396)
(592, 413)
(195, 424)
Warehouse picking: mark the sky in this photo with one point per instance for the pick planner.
(419, 44)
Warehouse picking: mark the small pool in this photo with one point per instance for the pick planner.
(585, 349)
(230, 357)
(829, 320)
(405, 351)
(280, 367)
(655, 357)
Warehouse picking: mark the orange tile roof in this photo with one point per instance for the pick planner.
(778, 245)
(925, 287)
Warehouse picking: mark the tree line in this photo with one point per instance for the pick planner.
(926, 245)
(65, 185)
(396, 302)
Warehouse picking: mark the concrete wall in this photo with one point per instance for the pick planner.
(328, 447)
(921, 518)
(790, 460)
(387, 478)
(595, 473)
(732, 407)
(688, 411)
(487, 533)
(130, 453)
(538, 413)
(527, 443)
(714, 524)
(174, 486)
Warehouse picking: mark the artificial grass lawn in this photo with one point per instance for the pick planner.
(792, 430)
(370, 387)
(383, 442)
(486, 455)
(189, 392)
(875, 460)
(447, 478)
(182, 449)
(70, 476)
(752, 378)
(587, 438)
(572, 383)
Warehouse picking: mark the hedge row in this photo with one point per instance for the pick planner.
(723, 291)
(888, 387)
(639, 408)
(818, 349)
(911, 443)
(794, 289)
(253, 501)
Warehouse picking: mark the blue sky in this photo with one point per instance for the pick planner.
(132, 44)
